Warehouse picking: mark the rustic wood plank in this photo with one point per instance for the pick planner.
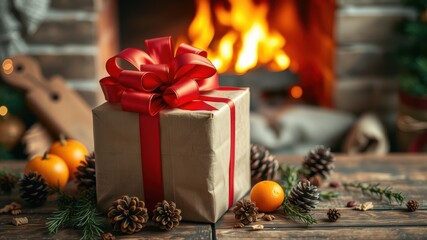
(349, 218)
(338, 233)
(37, 229)
(405, 173)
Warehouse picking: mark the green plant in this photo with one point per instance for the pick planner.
(79, 213)
(375, 190)
(411, 53)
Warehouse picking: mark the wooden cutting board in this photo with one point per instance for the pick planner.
(60, 109)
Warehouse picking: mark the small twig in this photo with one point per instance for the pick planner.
(375, 190)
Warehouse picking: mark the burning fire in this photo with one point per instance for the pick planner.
(248, 41)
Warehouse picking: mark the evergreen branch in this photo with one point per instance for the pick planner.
(297, 214)
(290, 177)
(86, 216)
(59, 220)
(375, 190)
(92, 228)
(328, 195)
(77, 213)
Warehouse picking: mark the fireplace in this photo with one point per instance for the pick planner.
(283, 50)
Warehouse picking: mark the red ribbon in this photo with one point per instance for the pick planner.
(161, 80)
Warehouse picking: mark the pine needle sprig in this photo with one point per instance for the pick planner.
(328, 195)
(79, 213)
(375, 190)
(60, 219)
(87, 217)
(297, 214)
(290, 176)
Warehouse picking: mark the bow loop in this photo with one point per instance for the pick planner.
(160, 49)
(140, 81)
(159, 79)
(181, 93)
(112, 89)
(133, 56)
(161, 70)
(150, 103)
(191, 66)
(185, 48)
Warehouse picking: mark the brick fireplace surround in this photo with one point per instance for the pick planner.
(78, 36)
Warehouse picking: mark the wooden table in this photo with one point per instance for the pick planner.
(405, 173)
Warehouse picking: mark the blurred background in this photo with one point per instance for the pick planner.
(348, 74)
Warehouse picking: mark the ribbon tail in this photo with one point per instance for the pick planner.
(149, 127)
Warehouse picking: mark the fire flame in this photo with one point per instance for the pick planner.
(248, 41)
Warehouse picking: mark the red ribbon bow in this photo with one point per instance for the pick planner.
(162, 80)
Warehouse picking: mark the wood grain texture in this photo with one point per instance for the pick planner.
(36, 228)
(406, 173)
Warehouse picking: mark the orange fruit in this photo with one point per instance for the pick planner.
(51, 167)
(268, 195)
(71, 151)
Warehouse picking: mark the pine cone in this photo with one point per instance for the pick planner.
(412, 205)
(108, 236)
(304, 195)
(333, 214)
(166, 215)
(7, 182)
(33, 188)
(264, 165)
(128, 215)
(246, 211)
(319, 161)
(86, 176)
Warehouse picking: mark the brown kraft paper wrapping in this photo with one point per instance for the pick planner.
(195, 152)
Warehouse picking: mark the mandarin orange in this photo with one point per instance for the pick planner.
(268, 195)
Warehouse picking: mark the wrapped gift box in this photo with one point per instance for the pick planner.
(195, 156)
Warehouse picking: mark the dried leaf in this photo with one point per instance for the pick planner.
(364, 206)
(19, 221)
(269, 217)
(257, 227)
(260, 215)
(15, 212)
(10, 207)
